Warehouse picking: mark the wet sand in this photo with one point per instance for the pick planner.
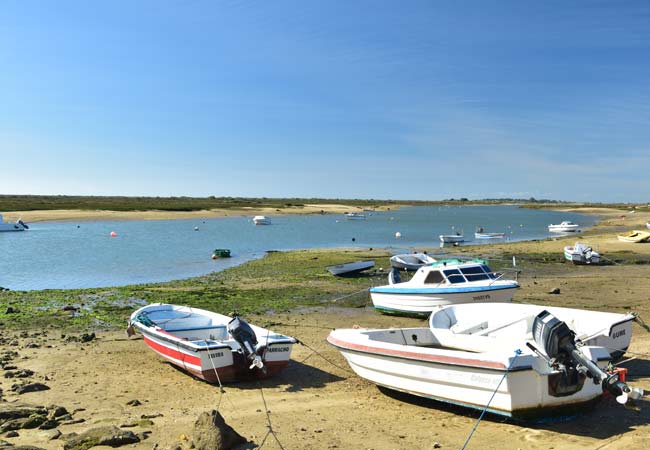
(317, 403)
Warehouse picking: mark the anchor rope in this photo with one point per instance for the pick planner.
(517, 353)
(314, 351)
(268, 422)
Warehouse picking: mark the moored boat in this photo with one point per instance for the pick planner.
(411, 261)
(354, 216)
(634, 236)
(221, 253)
(535, 370)
(211, 346)
(440, 283)
(19, 225)
(480, 233)
(564, 227)
(451, 238)
(581, 253)
(261, 220)
(351, 268)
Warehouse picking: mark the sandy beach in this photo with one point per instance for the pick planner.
(86, 215)
(317, 402)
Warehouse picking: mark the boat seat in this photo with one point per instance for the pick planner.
(216, 332)
(486, 328)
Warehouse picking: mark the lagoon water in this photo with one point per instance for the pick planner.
(82, 254)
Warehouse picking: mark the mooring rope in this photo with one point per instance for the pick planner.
(268, 422)
(313, 351)
(517, 353)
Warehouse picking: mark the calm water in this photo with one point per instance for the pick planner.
(76, 255)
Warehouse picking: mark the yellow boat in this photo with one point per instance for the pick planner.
(634, 236)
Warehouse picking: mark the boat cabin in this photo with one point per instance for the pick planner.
(454, 273)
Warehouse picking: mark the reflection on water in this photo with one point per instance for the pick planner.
(74, 255)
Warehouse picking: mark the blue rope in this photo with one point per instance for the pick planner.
(517, 353)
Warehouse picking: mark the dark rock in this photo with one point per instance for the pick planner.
(33, 345)
(9, 367)
(70, 308)
(51, 435)
(32, 421)
(134, 402)
(16, 411)
(12, 433)
(555, 291)
(49, 424)
(109, 435)
(57, 411)
(29, 387)
(26, 447)
(11, 310)
(22, 373)
(5, 444)
(87, 337)
(212, 433)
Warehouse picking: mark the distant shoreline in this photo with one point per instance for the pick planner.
(70, 215)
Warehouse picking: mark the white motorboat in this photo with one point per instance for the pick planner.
(451, 238)
(564, 227)
(527, 369)
(440, 283)
(211, 346)
(354, 216)
(581, 253)
(19, 225)
(411, 261)
(261, 220)
(480, 233)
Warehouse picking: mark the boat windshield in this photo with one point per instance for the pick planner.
(474, 273)
(454, 276)
(489, 271)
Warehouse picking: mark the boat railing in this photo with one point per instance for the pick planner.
(501, 275)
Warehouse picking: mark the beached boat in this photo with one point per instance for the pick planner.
(451, 238)
(221, 253)
(19, 225)
(440, 283)
(354, 216)
(480, 233)
(634, 236)
(647, 225)
(261, 220)
(534, 370)
(564, 227)
(410, 261)
(352, 268)
(581, 253)
(211, 346)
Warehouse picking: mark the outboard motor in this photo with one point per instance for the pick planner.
(23, 224)
(559, 343)
(242, 332)
(394, 276)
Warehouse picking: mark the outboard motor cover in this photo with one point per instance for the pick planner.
(553, 335)
(242, 332)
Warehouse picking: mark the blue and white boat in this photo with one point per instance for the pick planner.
(444, 282)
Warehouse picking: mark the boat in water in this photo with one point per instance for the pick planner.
(564, 227)
(635, 236)
(261, 220)
(410, 261)
(351, 268)
(581, 253)
(480, 233)
(221, 253)
(440, 283)
(19, 225)
(354, 216)
(452, 238)
(529, 369)
(211, 346)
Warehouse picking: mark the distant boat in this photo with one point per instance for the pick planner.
(19, 225)
(634, 236)
(564, 227)
(581, 253)
(261, 220)
(355, 216)
(482, 234)
(411, 261)
(351, 268)
(221, 253)
(451, 238)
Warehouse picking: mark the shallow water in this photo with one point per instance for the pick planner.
(78, 255)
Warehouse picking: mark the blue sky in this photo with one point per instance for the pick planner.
(334, 99)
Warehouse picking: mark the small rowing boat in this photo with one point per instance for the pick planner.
(410, 261)
(351, 268)
(634, 236)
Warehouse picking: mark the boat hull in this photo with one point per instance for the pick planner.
(451, 238)
(489, 235)
(421, 301)
(461, 378)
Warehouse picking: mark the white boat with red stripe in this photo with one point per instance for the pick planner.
(534, 367)
(211, 346)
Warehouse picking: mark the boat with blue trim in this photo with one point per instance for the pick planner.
(443, 282)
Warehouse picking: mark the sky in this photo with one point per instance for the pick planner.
(422, 100)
